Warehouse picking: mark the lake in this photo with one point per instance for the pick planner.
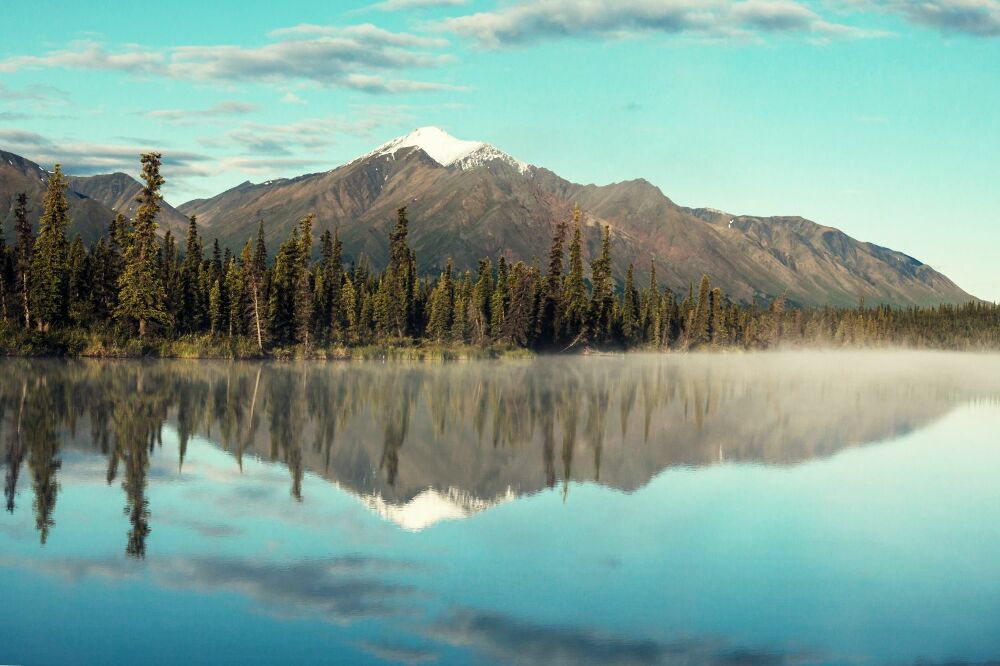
(772, 508)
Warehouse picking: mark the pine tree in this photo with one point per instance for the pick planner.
(192, 313)
(253, 262)
(602, 296)
(399, 287)
(719, 333)
(498, 299)
(49, 275)
(281, 300)
(216, 307)
(303, 301)
(552, 302)
(440, 319)
(141, 292)
(701, 330)
(237, 298)
(22, 259)
(79, 282)
(573, 312)
(338, 319)
(630, 310)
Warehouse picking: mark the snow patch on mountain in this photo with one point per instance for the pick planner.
(431, 506)
(446, 150)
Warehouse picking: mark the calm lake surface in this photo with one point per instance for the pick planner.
(766, 509)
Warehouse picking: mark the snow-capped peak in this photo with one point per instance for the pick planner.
(446, 150)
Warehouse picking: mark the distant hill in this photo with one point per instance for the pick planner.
(467, 200)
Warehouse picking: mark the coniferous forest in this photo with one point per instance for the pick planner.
(136, 293)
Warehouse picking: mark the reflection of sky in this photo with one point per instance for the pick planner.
(885, 552)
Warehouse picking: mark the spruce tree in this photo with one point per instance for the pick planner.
(253, 262)
(573, 312)
(440, 320)
(141, 291)
(338, 319)
(602, 295)
(22, 254)
(192, 313)
(630, 311)
(303, 305)
(552, 300)
(701, 331)
(79, 283)
(49, 275)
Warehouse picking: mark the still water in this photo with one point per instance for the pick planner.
(791, 508)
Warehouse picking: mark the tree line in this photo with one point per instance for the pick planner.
(134, 284)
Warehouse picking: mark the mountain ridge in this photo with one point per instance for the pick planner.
(469, 200)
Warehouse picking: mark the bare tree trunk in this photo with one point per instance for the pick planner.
(256, 316)
(27, 310)
(142, 328)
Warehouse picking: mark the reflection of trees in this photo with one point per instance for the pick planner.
(15, 450)
(481, 428)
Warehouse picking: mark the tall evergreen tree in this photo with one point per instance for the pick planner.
(573, 312)
(552, 302)
(192, 311)
(141, 292)
(602, 294)
(49, 275)
(630, 309)
(303, 301)
(22, 254)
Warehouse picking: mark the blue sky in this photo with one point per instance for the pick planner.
(879, 117)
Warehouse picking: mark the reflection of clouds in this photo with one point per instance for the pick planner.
(398, 653)
(509, 640)
(337, 589)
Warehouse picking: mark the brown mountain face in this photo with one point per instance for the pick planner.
(90, 217)
(487, 204)
(118, 191)
(93, 200)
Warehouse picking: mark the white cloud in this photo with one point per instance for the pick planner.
(979, 18)
(526, 22)
(220, 110)
(402, 5)
(350, 57)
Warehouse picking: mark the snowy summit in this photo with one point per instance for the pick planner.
(446, 150)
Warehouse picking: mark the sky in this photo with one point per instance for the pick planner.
(878, 117)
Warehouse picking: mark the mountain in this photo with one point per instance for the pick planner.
(93, 200)
(17, 174)
(467, 200)
(118, 191)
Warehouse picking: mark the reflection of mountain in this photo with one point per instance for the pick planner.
(423, 443)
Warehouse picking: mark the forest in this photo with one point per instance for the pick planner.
(135, 293)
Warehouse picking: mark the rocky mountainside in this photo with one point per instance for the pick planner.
(467, 200)
(93, 200)
(118, 191)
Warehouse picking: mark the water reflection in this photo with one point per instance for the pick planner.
(637, 510)
(419, 443)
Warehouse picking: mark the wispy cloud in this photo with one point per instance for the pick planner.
(356, 57)
(83, 159)
(980, 18)
(33, 93)
(220, 110)
(510, 640)
(528, 22)
(403, 5)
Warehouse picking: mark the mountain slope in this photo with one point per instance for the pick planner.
(118, 191)
(468, 200)
(93, 200)
(89, 218)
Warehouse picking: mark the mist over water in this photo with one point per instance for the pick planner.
(787, 507)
